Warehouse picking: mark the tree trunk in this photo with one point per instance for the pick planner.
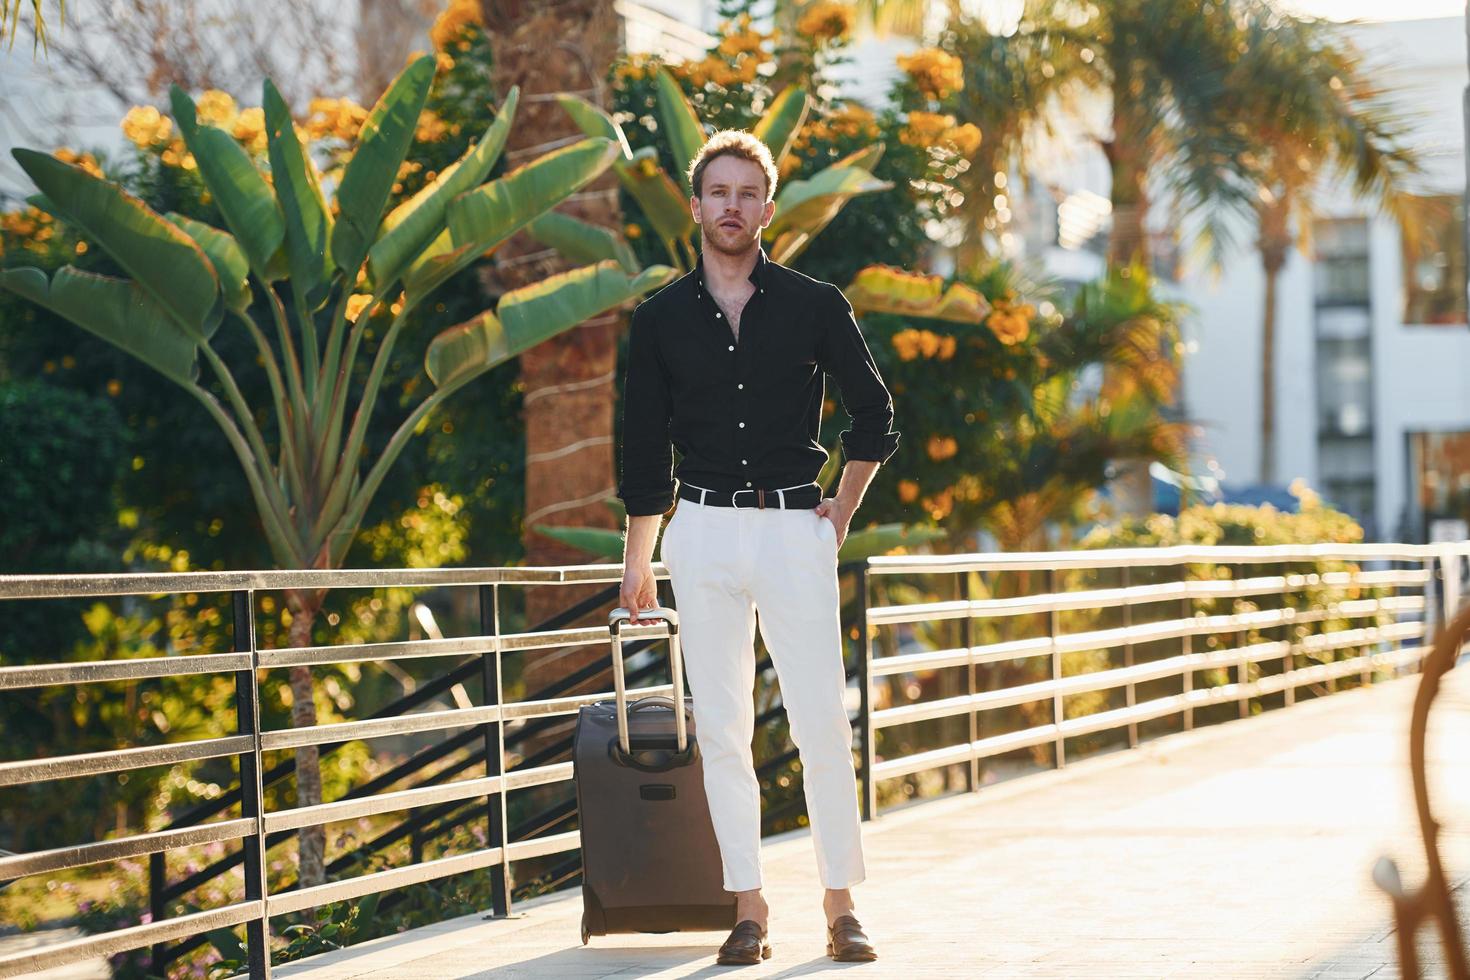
(312, 840)
(1273, 245)
(1129, 156)
(567, 381)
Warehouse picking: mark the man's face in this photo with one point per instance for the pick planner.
(732, 207)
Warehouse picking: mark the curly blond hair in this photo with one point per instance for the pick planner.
(735, 143)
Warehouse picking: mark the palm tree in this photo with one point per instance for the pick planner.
(1308, 108)
(568, 381)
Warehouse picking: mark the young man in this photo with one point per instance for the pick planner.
(727, 364)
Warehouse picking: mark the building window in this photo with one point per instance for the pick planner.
(1439, 477)
(1434, 261)
(1340, 272)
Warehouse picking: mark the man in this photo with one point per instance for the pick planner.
(727, 364)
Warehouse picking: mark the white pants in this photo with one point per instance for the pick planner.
(724, 564)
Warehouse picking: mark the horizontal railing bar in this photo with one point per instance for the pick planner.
(367, 806)
(121, 940)
(570, 705)
(277, 580)
(541, 846)
(79, 855)
(1036, 646)
(1087, 599)
(45, 675)
(343, 731)
(121, 760)
(165, 583)
(1141, 557)
(540, 776)
(395, 650)
(379, 881)
(1146, 711)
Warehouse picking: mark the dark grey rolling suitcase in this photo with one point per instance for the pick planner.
(650, 860)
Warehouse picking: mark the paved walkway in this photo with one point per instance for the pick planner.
(1238, 852)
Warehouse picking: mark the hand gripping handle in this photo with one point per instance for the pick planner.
(617, 621)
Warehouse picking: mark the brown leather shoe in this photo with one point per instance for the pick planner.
(847, 943)
(746, 946)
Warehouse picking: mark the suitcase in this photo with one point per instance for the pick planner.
(650, 860)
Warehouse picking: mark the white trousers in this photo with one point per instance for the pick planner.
(725, 564)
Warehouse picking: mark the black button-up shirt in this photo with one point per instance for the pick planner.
(746, 412)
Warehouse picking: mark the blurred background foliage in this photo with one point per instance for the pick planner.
(1009, 428)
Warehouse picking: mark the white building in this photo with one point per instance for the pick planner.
(1372, 376)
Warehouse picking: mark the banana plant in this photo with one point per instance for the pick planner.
(803, 208)
(322, 278)
(284, 253)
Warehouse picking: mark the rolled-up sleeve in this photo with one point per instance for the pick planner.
(844, 355)
(646, 476)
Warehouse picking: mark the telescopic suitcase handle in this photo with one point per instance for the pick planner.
(616, 621)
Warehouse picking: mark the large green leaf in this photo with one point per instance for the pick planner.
(582, 242)
(593, 121)
(805, 207)
(680, 122)
(601, 543)
(887, 289)
(160, 258)
(229, 262)
(486, 216)
(244, 198)
(879, 540)
(867, 158)
(777, 127)
(118, 311)
(373, 169)
(308, 220)
(414, 223)
(531, 315)
(542, 309)
(662, 203)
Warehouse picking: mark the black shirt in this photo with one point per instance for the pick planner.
(747, 412)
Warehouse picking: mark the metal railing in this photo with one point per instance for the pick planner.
(490, 719)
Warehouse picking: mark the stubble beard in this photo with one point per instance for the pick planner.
(734, 244)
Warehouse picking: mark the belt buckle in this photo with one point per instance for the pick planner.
(734, 499)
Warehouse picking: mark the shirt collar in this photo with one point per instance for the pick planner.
(757, 273)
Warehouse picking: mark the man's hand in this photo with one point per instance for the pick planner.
(640, 590)
(835, 511)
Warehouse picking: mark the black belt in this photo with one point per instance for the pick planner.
(805, 496)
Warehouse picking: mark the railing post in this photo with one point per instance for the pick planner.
(865, 698)
(1130, 692)
(157, 882)
(1242, 661)
(967, 637)
(252, 795)
(1054, 621)
(1186, 608)
(495, 808)
(1288, 661)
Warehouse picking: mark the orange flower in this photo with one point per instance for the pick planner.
(908, 491)
(936, 73)
(825, 21)
(83, 161)
(941, 447)
(459, 16)
(925, 128)
(145, 126)
(1010, 322)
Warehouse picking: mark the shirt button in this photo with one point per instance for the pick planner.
(745, 462)
(732, 346)
(740, 386)
(747, 483)
(742, 425)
